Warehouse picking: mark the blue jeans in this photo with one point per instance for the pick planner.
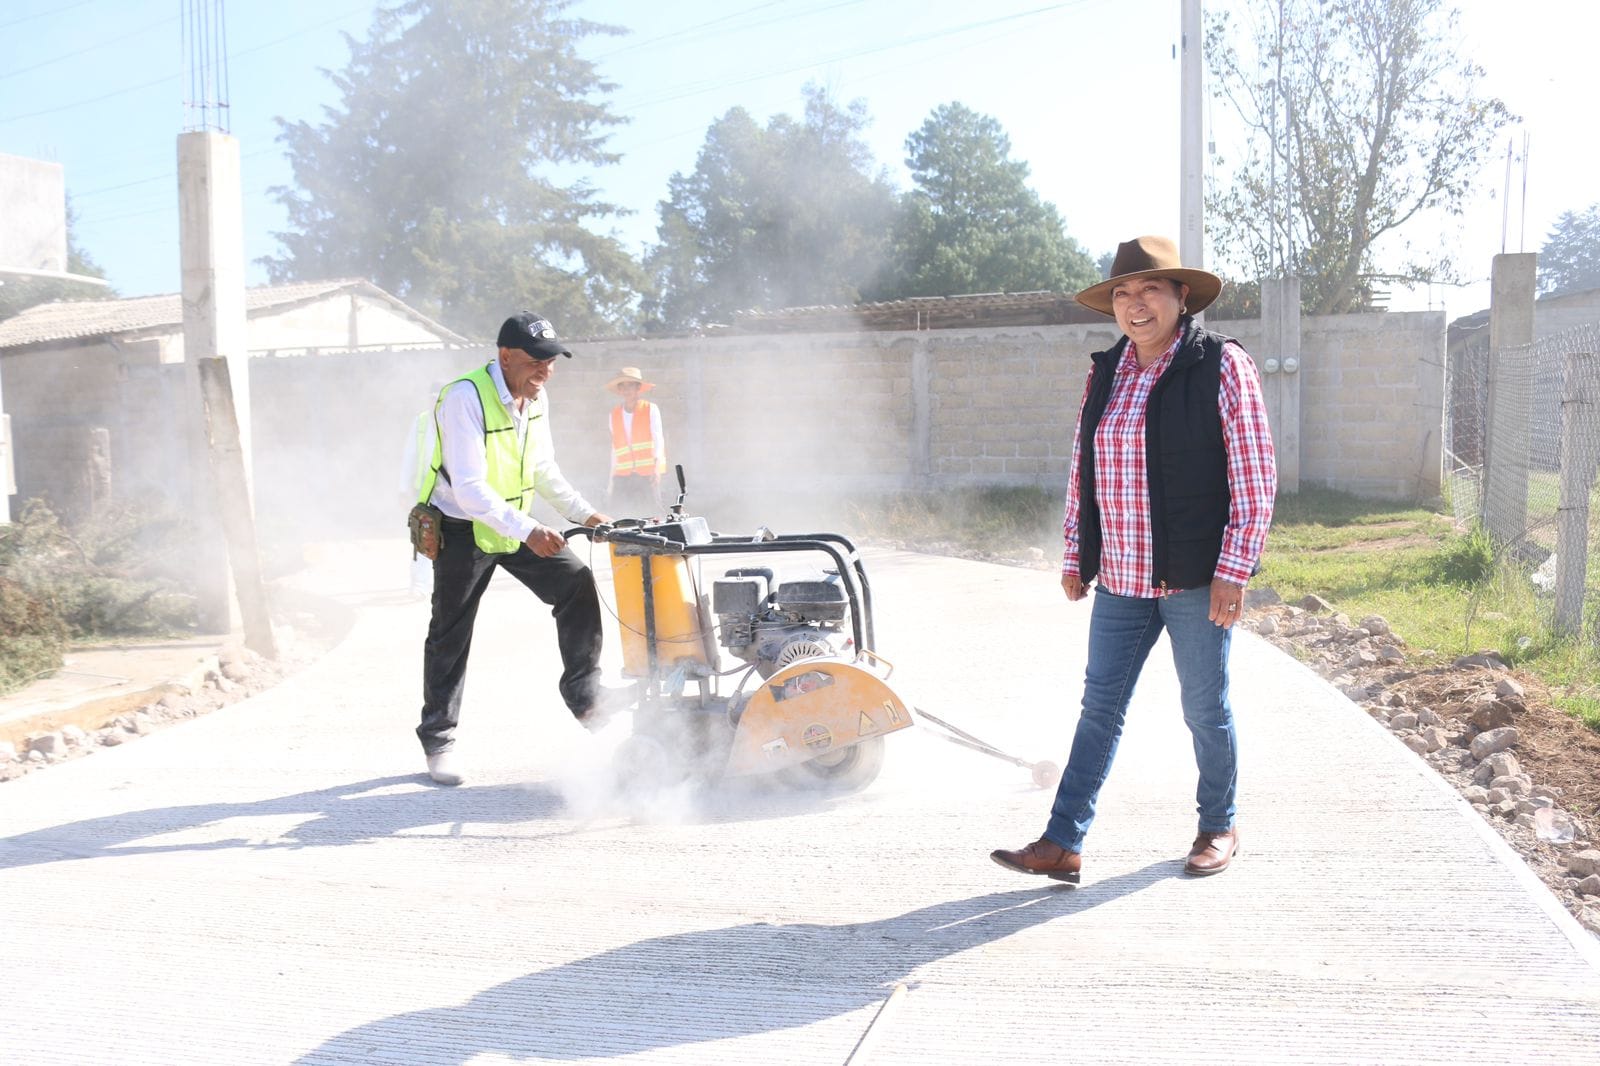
(1122, 630)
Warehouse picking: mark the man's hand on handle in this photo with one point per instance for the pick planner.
(545, 541)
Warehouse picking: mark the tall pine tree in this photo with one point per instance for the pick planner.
(433, 175)
(788, 214)
(972, 224)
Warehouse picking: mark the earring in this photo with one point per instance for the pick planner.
(1183, 309)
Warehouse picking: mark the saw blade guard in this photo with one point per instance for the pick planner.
(812, 708)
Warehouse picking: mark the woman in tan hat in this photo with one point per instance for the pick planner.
(1168, 502)
(638, 449)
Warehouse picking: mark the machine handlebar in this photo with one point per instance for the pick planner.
(617, 535)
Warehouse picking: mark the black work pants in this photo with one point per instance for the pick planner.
(461, 573)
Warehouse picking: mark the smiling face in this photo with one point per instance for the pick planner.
(1147, 310)
(629, 391)
(525, 375)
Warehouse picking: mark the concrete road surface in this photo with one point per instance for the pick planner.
(277, 882)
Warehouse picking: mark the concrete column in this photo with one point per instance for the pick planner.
(694, 389)
(921, 416)
(1580, 460)
(1281, 375)
(211, 249)
(1504, 501)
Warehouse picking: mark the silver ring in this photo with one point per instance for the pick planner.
(1233, 606)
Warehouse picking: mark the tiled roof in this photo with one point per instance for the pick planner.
(924, 312)
(88, 319)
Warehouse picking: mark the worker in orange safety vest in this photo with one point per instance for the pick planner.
(638, 449)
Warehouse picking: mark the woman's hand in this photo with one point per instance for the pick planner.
(1227, 602)
(1072, 585)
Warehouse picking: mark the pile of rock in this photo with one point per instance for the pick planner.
(235, 673)
(1470, 737)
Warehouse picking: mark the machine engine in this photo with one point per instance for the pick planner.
(771, 623)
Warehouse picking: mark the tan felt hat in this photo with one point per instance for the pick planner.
(1152, 257)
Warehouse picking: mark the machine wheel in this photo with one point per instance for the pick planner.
(845, 770)
(643, 765)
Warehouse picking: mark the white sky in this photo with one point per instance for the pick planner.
(1086, 89)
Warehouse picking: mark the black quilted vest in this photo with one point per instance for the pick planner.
(1184, 457)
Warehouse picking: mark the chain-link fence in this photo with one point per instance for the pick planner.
(1522, 448)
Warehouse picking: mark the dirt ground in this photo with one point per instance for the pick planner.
(1441, 710)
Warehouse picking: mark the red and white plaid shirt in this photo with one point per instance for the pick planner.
(1122, 484)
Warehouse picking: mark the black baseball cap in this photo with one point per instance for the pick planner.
(533, 335)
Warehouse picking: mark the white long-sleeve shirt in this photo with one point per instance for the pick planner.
(462, 490)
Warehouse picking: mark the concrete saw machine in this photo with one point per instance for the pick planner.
(809, 705)
(810, 702)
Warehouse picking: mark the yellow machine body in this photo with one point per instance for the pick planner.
(680, 631)
(810, 708)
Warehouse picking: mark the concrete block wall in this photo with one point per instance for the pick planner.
(1004, 402)
(1372, 400)
(845, 413)
(1373, 405)
(758, 416)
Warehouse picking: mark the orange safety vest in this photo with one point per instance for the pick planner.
(632, 456)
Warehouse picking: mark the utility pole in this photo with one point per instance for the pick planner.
(1191, 199)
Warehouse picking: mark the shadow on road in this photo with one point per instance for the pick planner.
(713, 984)
(382, 808)
(345, 814)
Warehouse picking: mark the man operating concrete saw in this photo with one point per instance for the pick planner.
(493, 454)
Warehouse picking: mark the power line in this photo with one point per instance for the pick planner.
(120, 39)
(170, 176)
(176, 77)
(686, 30)
(880, 73)
(707, 87)
(42, 14)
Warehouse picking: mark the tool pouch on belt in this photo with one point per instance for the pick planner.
(426, 524)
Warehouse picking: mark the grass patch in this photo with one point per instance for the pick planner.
(1444, 589)
(977, 519)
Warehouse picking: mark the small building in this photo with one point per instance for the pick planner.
(90, 402)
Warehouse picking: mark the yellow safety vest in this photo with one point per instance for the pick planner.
(510, 469)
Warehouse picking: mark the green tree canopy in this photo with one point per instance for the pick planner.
(1570, 258)
(789, 214)
(1359, 115)
(971, 224)
(431, 176)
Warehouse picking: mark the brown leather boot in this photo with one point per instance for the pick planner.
(1042, 857)
(1212, 852)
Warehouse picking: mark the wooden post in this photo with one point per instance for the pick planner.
(233, 501)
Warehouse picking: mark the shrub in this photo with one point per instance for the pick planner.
(119, 574)
(1467, 560)
(33, 637)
